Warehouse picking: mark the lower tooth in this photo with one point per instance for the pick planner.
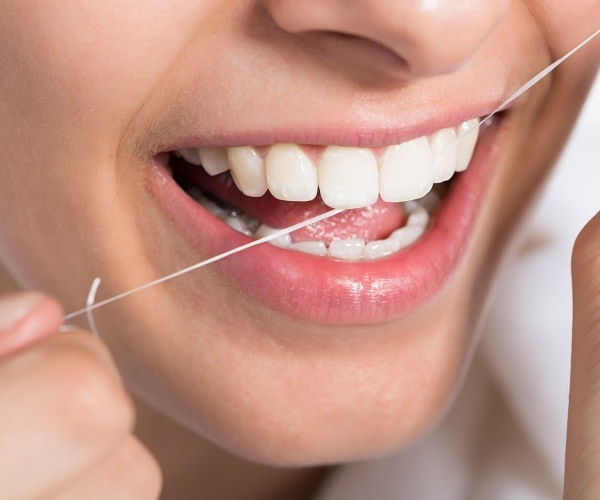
(430, 201)
(211, 207)
(311, 247)
(251, 223)
(351, 249)
(282, 241)
(381, 248)
(407, 235)
(238, 225)
(419, 217)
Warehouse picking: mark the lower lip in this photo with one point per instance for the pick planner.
(325, 291)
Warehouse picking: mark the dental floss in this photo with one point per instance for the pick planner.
(542, 74)
(525, 87)
(91, 306)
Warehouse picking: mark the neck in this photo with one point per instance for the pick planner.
(192, 466)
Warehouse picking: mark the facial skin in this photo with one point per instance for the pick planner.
(93, 92)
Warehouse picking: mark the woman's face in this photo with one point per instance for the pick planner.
(276, 354)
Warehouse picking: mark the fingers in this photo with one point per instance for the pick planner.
(65, 421)
(128, 473)
(582, 475)
(26, 318)
(64, 410)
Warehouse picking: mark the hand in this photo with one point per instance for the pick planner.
(65, 419)
(582, 474)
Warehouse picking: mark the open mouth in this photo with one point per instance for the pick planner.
(393, 192)
(408, 212)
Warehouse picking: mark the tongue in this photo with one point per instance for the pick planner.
(369, 223)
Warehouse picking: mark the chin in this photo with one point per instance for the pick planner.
(285, 392)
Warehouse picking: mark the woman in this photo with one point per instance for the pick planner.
(133, 136)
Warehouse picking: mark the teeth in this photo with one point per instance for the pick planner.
(282, 241)
(312, 247)
(352, 249)
(291, 175)
(467, 145)
(418, 217)
(237, 224)
(381, 248)
(346, 177)
(348, 249)
(444, 150)
(429, 202)
(190, 155)
(248, 171)
(407, 235)
(406, 171)
(214, 160)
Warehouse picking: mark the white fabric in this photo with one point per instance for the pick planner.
(505, 437)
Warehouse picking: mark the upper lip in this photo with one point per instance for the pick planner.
(350, 133)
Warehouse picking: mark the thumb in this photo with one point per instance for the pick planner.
(582, 472)
(26, 318)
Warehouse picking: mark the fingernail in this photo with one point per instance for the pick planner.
(15, 307)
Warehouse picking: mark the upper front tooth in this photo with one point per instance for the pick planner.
(248, 170)
(466, 145)
(214, 160)
(444, 149)
(348, 177)
(406, 171)
(291, 175)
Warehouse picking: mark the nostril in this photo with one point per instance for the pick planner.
(403, 38)
(363, 59)
(359, 45)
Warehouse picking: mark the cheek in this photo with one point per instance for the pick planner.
(566, 24)
(74, 74)
(73, 63)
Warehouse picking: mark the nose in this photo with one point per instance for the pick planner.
(421, 37)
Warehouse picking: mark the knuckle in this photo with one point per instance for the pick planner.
(91, 399)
